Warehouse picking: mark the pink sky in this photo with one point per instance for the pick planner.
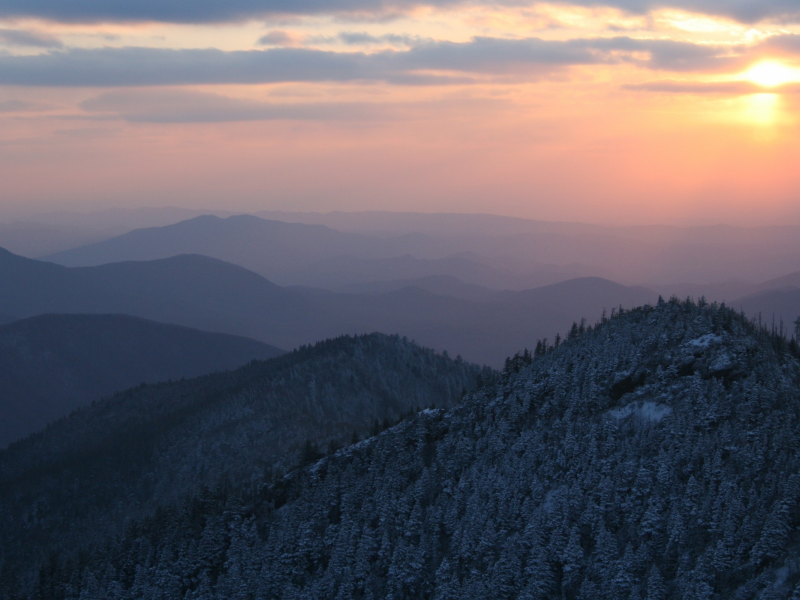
(553, 112)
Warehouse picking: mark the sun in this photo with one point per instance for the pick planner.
(771, 74)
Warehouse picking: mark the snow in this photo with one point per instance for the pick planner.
(721, 363)
(704, 341)
(647, 410)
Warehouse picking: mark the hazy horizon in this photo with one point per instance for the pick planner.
(616, 112)
(70, 213)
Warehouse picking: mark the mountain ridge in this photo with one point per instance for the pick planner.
(212, 295)
(52, 364)
(651, 456)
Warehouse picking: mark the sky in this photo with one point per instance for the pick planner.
(603, 111)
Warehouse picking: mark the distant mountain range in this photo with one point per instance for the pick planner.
(314, 255)
(483, 250)
(212, 295)
(52, 364)
(36, 239)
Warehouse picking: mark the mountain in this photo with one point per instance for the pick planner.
(348, 272)
(194, 291)
(442, 285)
(772, 305)
(792, 280)
(76, 484)
(777, 299)
(123, 219)
(653, 456)
(488, 330)
(310, 248)
(310, 255)
(209, 294)
(34, 239)
(5, 319)
(53, 364)
(267, 247)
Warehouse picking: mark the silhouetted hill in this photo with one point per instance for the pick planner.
(653, 456)
(488, 330)
(443, 285)
(5, 319)
(209, 294)
(194, 291)
(151, 446)
(310, 255)
(792, 280)
(266, 247)
(34, 239)
(348, 272)
(53, 364)
(778, 304)
(315, 245)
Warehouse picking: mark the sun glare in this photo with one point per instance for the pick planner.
(771, 74)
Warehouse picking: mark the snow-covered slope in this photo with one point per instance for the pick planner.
(654, 456)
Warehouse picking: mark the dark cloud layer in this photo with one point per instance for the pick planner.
(207, 11)
(439, 62)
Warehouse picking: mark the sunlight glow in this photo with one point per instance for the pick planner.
(761, 109)
(771, 74)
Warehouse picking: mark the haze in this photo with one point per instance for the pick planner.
(619, 112)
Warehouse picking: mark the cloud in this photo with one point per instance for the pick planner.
(159, 105)
(363, 38)
(277, 38)
(426, 63)
(696, 87)
(209, 11)
(185, 106)
(728, 88)
(745, 11)
(36, 39)
(15, 106)
(107, 67)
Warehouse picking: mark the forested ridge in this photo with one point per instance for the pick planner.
(78, 482)
(53, 363)
(652, 457)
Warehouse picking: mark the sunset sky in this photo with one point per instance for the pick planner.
(625, 112)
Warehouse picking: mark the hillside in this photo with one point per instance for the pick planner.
(257, 244)
(53, 364)
(194, 291)
(212, 295)
(153, 445)
(654, 457)
(313, 255)
(777, 304)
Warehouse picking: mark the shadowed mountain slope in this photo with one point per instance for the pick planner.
(264, 246)
(654, 456)
(313, 255)
(34, 239)
(194, 291)
(778, 305)
(442, 285)
(76, 483)
(208, 294)
(53, 364)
